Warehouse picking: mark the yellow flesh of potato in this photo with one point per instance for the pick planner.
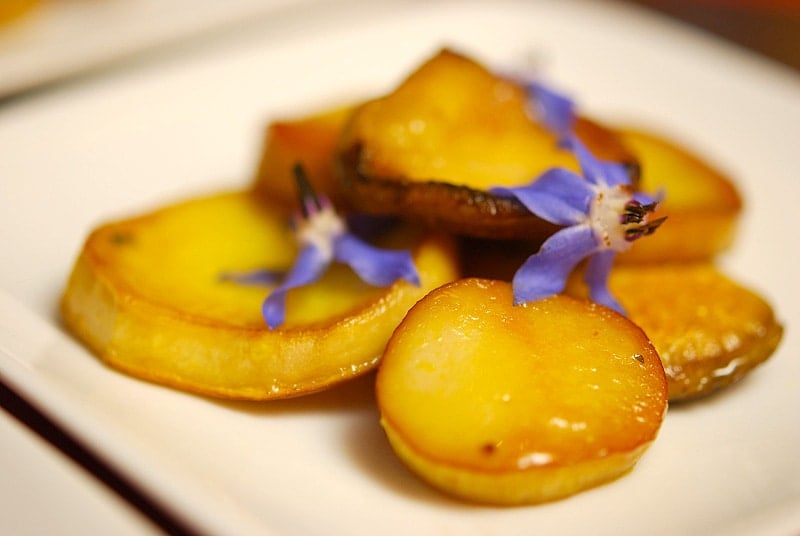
(518, 404)
(455, 122)
(146, 295)
(702, 205)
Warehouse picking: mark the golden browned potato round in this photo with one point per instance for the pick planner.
(147, 295)
(709, 330)
(430, 151)
(505, 404)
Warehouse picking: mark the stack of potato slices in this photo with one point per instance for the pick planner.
(486, 400)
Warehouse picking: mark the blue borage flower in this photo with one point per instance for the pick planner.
(324, 237)
(600, 213)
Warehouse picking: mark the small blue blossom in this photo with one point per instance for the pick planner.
(600, 214)
(324, 237)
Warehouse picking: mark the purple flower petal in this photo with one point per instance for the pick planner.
(308, 267)
(545, 273)
(595, 170)
(378, 267)
(596, 277)
(615, 173)
(556, 111)
(558, 196)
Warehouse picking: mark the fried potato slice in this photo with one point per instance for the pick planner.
(701, 203)
(147, 295)
(709, 330)
(430, 150)
(507, 404)
(309, 140)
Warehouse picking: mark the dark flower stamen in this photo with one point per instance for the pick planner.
(309, 201)
(635, 212)
(643, 230)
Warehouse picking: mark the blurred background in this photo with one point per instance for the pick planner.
(769, 27)
(46, 40)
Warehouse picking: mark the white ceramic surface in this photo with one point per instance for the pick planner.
(43, 492)
(61, 38)
(186, 125)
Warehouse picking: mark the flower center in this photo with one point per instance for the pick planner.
(604, 216)
(320, 229)
(617, 219)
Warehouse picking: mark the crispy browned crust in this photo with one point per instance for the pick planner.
(457, 208)
(450, 207)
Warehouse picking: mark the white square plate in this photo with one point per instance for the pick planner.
(192, 122)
